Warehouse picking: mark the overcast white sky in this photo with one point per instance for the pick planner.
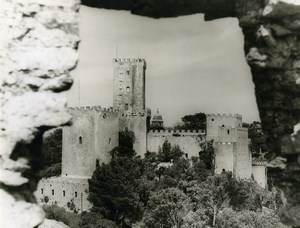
(192, 65)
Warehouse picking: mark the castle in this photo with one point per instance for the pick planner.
(95, 132)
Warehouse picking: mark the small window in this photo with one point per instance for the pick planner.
(186, 155)
(80, 140)
(109, 140)
(52, 192)
(127, 89)
(75, 194)
(212, 119)
(128, 72)
(64, 193)
(228, 132)
(42, 191)
(126, 106)
(223, 125)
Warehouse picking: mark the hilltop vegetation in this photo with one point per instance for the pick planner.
(153, 192)
(166, 190)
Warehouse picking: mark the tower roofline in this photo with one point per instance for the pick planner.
(128, 60)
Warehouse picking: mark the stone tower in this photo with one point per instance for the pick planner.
(93, 134)
(129, 99)
(231, 144)
(129, 85)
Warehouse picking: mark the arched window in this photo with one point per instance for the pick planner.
(80, 140)
(75, 194)
(126, 106)
(109, 140)
(52, 192)
(42, 191)
(127, 89)
(212, 119)
(228, 132)
(64, 193)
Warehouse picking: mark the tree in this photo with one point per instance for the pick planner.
(113, 186)
(166, 208)
(113, 190)
(196, 121)
(52, 153)
(60, 214)
(207, 155)
(167, 153)
(52, 148)
(258, 144)
(261, 219)
(95, 220)
(211, 196)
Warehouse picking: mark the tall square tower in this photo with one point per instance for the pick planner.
(129, 85)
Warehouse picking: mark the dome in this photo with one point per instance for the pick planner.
(157, 117)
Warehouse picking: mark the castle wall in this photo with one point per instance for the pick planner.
(68, 193)
(188, 141)
(94, 132)
(224, 152)
(259, 172)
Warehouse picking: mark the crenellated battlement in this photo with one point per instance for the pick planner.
(128, 60)
(224, 143)
(93, 109)
(134, 114)
(180, 132)
(259, 162)
(238, 116)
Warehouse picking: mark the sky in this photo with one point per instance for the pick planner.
(192, 65)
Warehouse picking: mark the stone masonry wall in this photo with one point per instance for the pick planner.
(189, 142)
(68, 193)
(214, 121)
(242, 156)
(93, 134)
(38, 42)
(259, 172)
(224, 156)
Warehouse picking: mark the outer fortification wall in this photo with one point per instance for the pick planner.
(259, 172)
(68, 193)
(93, 134)
(189, 141)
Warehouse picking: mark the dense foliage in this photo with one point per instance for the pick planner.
(51, 153)
(196, 121)
(167, 190)
(258, 143)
